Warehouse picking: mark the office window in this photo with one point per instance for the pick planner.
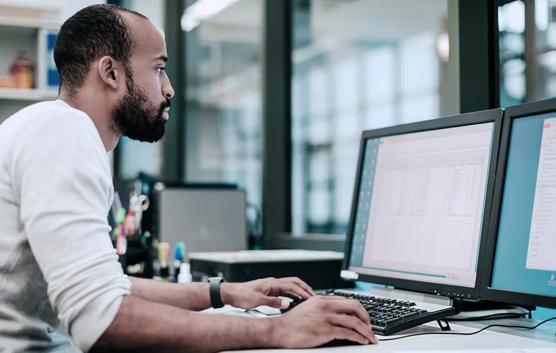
(527, 50)
(223, 93)
(357, 65)
(360, 65)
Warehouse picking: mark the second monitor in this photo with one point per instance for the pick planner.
(522, 237)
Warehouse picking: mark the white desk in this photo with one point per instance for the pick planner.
(492, 340)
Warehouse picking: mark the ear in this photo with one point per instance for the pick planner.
(111, 72)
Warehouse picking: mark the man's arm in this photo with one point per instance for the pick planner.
(195, 296)
(190, 296)
(144, 326)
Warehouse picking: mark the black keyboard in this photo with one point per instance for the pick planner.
(389, 316)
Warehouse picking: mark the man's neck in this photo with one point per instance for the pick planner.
(100, 115)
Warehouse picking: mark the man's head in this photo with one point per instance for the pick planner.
(117, 57)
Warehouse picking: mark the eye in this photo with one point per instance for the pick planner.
(160, 69)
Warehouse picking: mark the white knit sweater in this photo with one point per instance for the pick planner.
(59, 273)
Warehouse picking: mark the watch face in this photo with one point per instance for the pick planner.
(216, 279)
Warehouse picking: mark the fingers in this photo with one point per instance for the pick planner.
(274, 302)
(342, 333)
(301, 284)
(288, 287)
(351, 315)
(353, 323)
(350, 307)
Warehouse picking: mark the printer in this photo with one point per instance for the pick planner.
(320, 269)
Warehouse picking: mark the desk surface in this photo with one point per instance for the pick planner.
(492, 340)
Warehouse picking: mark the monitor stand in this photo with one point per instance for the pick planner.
(484, 309)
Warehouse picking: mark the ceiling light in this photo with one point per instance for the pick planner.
(202, 10)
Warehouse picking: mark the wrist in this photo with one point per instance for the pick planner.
(273, 331)
(226, 293)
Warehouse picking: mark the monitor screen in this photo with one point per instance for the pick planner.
(419, 209)
(525, 253)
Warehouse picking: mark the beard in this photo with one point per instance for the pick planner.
(136, 118)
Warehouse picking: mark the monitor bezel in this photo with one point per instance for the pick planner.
(474, 118)
(489, 293)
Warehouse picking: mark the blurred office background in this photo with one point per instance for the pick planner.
(273, 95)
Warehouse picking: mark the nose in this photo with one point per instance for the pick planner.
(167, 89)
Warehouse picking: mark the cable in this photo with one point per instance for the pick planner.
(497, 316)
(468, 333)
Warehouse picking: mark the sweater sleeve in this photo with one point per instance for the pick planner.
(64, 193)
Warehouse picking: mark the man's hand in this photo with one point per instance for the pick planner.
(265, 291)
(320, 320)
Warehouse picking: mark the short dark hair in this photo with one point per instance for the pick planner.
(91, 33)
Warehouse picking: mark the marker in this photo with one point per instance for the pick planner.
(164, 259)
(179, 256)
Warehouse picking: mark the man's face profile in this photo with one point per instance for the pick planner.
(142, 111)
(136, 117)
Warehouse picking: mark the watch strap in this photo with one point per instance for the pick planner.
(214, 288)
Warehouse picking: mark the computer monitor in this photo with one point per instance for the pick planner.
(420, 194)
(522, 236)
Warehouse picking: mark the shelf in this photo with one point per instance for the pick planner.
(24, 23)
(27, 94)
(30, 17)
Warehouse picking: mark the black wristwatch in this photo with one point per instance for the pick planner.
(214, 287)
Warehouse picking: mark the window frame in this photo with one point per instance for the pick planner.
(479, 90)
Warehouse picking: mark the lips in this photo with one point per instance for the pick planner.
(165, 110)
(166, 113)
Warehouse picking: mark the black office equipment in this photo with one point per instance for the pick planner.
(417, 219)
(320, 269)
(521, 247)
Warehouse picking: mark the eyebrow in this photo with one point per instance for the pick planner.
(162, 57)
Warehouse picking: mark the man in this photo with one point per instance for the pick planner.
(62, 288)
